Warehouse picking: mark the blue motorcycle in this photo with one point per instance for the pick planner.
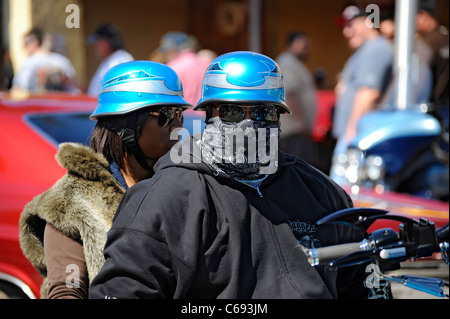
(403, 151)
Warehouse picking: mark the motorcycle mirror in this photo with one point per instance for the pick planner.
(357, 216)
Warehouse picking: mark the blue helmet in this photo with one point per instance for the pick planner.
(133, 85)
(243, 77)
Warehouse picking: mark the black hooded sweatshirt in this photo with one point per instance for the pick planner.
(189, 232)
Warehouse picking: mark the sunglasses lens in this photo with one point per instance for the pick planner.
(263, 113)
(259, 114)
(167, 114)
(231, 113)
(236, 113)
(165, 117)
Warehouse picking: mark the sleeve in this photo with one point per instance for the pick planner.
(376, 69)
(350, 280)
(22, 78)
(362, 282)
(67, 275)
(143, 248)
(137, 266)
(291, 82)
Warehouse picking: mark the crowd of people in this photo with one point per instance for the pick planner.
(44, 69)
(364, 85)
(220, 223)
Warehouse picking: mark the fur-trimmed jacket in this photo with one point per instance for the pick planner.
(81, 205)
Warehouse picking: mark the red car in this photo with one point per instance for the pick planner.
(31, 127)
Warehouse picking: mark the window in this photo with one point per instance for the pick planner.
(63, 127)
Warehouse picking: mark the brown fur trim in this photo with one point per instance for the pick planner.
(81, 205)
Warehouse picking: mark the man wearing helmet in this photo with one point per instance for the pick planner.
(63, 230)
(230, 218)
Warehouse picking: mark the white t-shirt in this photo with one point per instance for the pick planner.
(27, 77)
(119, 56)
(298, 79)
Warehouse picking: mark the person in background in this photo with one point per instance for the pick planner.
(109, 49)
(421, 77)
(300, 93)
(63, 230)
(6, 69)
(436, 37)
(180, 53)
(363, 81)
(221, 221)
(206, 55)
(43, 70)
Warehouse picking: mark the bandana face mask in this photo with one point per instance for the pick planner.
(245, 150)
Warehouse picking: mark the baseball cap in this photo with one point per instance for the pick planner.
(428, 6)
(104, 30)
(173, 40)
(348, 14)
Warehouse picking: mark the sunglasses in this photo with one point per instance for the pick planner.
(167, 114)
(236, 113)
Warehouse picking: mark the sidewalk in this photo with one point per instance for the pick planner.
(434, 269)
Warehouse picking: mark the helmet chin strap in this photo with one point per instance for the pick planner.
(128, 137)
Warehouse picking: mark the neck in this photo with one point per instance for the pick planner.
(372, 34)
(133, 178)
(134, 172)
(39, 50)
(129, 179)
(431, 26)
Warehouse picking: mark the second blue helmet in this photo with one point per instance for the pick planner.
(243, 76)
(133, 85)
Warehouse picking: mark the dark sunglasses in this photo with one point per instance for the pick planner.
(236, 113)
(167, 114)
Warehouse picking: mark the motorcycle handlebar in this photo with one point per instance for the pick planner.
(383, 244)
(443, 234)
(324, 255)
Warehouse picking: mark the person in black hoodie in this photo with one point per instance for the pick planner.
(227, 214)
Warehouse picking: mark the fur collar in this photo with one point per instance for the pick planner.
(82, 160)
(81, 205)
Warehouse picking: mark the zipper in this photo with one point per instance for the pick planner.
(279, 252)
(252, 187)
(259, 192)
(280, 255)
